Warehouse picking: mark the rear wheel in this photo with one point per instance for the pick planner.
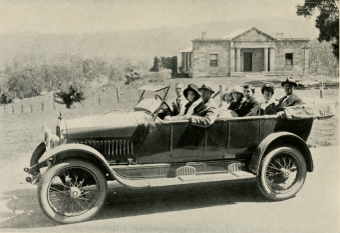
(282, 173)
(72, 191)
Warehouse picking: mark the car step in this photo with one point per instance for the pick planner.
(190, 179)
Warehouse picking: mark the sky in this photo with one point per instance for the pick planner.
(89, 16)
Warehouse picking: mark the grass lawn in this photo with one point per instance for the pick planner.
(22, 132)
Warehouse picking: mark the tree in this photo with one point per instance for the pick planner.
(69, 94)
(321, 60)
(327, 21)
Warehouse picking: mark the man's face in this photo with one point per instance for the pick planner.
(247, 93)
(179, 91)
(288, 88)
(206, 95)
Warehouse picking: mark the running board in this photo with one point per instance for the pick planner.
(187, 179)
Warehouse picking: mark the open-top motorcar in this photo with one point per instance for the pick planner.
(139, 149)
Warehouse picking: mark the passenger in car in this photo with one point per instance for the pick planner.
(290, 99)
(192, 95)
(205, 113)
(236, 97)
(250, 106)
(267, 105)
(226, 98)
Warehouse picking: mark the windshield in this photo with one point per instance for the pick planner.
(148, 104)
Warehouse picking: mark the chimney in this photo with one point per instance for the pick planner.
(203, 35)
(279, 35)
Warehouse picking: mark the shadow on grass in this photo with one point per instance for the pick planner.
(23, 210)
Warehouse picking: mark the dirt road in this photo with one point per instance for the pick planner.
(216, 207)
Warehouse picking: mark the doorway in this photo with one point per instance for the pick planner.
(247, 62)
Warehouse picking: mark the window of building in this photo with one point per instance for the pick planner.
(289, 59)
(213, 60)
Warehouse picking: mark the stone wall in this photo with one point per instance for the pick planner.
(202, 49)
(165, 63)
(300, 56)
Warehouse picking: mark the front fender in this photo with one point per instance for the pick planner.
(86, 152)
(275, 140)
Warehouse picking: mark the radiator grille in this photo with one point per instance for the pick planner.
(110, 148)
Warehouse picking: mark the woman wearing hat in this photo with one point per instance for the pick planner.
(267, 105)
(192, 94)
(237, 95)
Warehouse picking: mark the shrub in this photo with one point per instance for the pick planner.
(69, 94)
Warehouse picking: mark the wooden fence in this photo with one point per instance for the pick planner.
(113, 98)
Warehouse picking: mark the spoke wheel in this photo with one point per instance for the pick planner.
(72, 191)
(282, 173)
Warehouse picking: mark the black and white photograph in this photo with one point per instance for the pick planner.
(169, 116)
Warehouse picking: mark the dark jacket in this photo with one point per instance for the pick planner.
(248, 108)
(234, 105)
(285, 101)
(205, 114)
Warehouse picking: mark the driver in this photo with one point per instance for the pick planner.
(178, 104)
(205, 113)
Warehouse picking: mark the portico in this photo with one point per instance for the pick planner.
(248, 50)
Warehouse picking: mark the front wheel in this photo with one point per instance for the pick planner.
(72, 191)
(282, 173)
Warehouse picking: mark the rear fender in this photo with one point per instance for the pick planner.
(279, 139)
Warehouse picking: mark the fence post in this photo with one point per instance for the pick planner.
(118, 94)
(31, 106)
(99, 97)
(22, 109)
(221, 94)
(53, 104)
(42, 106)
(12, 109)
(321, 90)
(5, 109)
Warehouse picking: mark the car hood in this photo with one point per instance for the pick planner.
(107, 125)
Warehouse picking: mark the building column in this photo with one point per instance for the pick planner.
(272, 59)
(238, 60)
(265, 52)
(306, 61)
(232, 60)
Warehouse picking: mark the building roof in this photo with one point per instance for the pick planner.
(236, 33)
(240, 32)
(186, 50)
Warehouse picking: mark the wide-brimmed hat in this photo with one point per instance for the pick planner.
(206, 87)
(237, 88)
(191, 87)
(269, 86)
(290, 80)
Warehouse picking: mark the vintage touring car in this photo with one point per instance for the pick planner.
(139, 150)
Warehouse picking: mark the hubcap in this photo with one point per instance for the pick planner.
(281, 173)
(73, 191)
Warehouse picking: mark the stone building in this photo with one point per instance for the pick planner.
(248, 50)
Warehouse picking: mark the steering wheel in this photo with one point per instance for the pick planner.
(165, 109)
(158, 97)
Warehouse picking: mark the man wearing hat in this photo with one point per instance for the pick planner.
(205, 113)
(290, 99)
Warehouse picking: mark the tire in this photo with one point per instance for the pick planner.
(72, 191)
(282, 173)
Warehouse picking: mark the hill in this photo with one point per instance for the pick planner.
(134, 44)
